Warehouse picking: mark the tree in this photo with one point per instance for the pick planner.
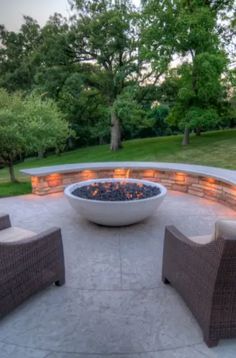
(28, 125)
(104, 33)
(158, 25)
(85, 108)
(12, 125)
(130, 112)
(200, 94)
(192, 31)
(230, 105)
(157, 116)
(18, 62)
(47, 127)
(54, 63)
(201, 87)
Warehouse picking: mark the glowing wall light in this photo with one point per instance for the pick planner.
(211, 180)
(180, 177)
(121, 173)
(149, 173)
(34, 181)
(54, 180)
(88, 174)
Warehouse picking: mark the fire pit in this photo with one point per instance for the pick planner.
(115, 202)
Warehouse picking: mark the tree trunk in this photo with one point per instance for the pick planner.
(115, 132)
(12, 173)
(70, 143)
(41, 154)
(198, 131)
(186, 136)
(101, 140)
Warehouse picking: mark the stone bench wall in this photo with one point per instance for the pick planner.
(201, 186)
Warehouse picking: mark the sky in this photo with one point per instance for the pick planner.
(12, 11)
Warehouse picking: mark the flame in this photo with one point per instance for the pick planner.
(95, 192)
(117, 186)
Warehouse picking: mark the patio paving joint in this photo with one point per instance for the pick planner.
(48, 352)
(141, 289)
(121, 273)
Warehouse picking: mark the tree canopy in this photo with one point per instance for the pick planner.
(114, 71)
(29, 125)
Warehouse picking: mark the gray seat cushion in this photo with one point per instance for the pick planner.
(204, 239)
(12, 234)
(225, 228)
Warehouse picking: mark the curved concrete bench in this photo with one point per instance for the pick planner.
(206, 182)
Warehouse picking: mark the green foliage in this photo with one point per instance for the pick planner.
(29, 125)
(200, 92)
(231, 105)
(18, 62)
(207, 71)
(105, 34)
(127, 108)
(130, 113)
(157, 116)
(13, 134)
(110, 57)
(158, 31)
(200, 88)
(86, 109)
(195, 25)
(47, 128)
(169, 88)
(200, 118)
(53, 50)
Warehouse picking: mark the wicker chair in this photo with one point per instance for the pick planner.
(203, 270)
(28, 263)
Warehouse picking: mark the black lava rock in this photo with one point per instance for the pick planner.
(116, 191)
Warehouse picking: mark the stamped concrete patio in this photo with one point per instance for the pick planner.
(114, 303)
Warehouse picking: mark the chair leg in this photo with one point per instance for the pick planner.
(61, 281)
(211, 342)
(165, 281)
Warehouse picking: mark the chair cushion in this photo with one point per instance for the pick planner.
(12, 234)
(225, 228)
(204, 239)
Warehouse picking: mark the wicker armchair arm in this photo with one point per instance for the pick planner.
(173, 233)
(53, 233)
(181, 255)
(43, 237)
(4, 221)
(40, 250)
(178, 238)
(28, 266)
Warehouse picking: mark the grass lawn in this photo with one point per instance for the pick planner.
(9, 189)
(212, 148)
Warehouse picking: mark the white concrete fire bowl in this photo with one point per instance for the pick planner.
(115, 213)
